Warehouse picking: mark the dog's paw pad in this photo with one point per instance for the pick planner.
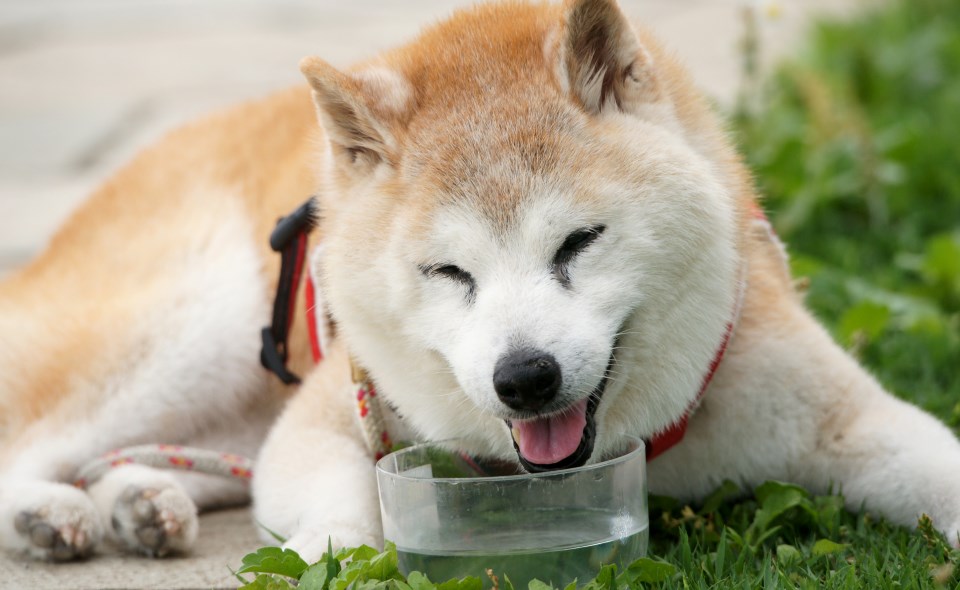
(59, 539)
(155, 522)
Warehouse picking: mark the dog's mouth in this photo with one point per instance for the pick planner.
(561, 440)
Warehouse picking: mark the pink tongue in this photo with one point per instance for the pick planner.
(547, 440)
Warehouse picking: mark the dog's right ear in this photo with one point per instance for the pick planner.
(603, 63)
(362, 113)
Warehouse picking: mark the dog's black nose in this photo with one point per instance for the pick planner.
(526, 379)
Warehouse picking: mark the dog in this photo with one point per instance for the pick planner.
(533, 236)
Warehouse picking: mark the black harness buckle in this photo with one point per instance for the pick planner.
(289, 238)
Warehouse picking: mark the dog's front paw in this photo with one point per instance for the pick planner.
(155, 521)
(311, 542)
(59, 525)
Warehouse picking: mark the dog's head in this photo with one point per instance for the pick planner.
(530, 224)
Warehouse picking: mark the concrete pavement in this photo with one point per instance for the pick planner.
(84, 84)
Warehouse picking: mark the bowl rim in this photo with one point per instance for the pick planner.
(639, 449)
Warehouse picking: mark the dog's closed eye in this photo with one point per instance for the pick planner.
(573, 245)
(453, 273)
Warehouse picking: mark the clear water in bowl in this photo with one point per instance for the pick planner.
(569, 546)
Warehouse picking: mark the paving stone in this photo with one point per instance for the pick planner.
(84, 84)
(225, 537)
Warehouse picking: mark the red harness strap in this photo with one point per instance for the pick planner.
(665, 439)
(312, 320)
(673, 434)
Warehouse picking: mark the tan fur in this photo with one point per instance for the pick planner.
(89, 284)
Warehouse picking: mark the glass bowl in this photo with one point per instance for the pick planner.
(452, 515)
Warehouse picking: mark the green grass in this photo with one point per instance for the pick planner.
(856, 146)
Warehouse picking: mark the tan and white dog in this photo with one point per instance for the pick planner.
(535, 237)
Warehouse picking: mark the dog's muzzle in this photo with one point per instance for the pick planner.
(584, 450)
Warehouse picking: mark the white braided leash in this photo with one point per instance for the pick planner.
(167, 457)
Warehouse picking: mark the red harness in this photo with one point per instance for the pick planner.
(673, 434)
(290, 239)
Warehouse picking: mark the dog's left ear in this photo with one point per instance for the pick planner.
(362, 112)
(602, 60)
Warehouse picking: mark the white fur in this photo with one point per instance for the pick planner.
(315, 477)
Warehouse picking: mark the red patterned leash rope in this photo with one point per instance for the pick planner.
(370, 413)
(367, 405)
(167, 457)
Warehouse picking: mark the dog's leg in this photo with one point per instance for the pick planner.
(892, 458)
(150, 511)
(841, 431)
(789, 404)
(315, 478)
(46, 520)
(168, 365)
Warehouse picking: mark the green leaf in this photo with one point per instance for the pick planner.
(319, 575)
(606, 579)
(909, 309)
(648, 571)
(315, 578)
(360, 584)
(332, 563)
(788, 554)
(774, 493)
(348, 575)
(384, 566)
(775, 498)
(364, 553)
(571, 586)
(267, 582)
(536, 584)
(468, 583)
(374, 584)
(866, 317)
(941, 261)
(804, 266)
(726, 491)
(420, 581)
(826, 547)
(274, 560)
(735, 537)
(507, 584)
